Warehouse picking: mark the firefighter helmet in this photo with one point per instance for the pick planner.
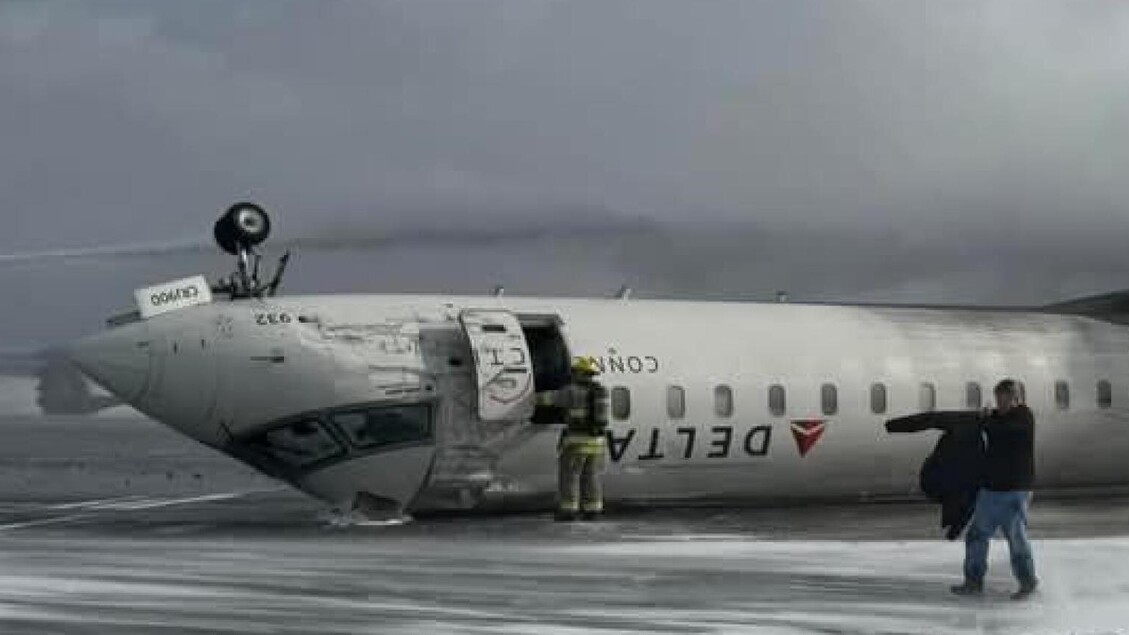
(585, 366)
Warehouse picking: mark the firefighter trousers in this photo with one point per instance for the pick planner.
(579, 480)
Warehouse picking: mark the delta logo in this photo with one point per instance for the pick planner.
(807, 433)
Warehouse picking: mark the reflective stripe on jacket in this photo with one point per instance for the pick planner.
(583, 443)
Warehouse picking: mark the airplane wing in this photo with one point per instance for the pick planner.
(1113, 307)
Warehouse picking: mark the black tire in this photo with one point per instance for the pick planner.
(242, 225)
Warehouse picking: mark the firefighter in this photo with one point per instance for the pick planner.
(582, 450)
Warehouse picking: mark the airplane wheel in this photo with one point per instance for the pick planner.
(243, 224)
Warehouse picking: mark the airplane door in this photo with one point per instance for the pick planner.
(503, 365)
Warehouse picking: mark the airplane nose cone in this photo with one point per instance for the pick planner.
(116, 359)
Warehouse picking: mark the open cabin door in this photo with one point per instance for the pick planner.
(502, 362)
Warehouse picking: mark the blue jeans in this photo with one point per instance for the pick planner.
(994, 511)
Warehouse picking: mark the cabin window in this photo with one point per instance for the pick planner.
(878, 398)
(777, 400)
(1105, 394)
(829, 399)
(723, 401)
(1062, 395)
(676, 402)
(927, 397)
(385, 425)
(298, 444)
(621, 403)
(973, 396)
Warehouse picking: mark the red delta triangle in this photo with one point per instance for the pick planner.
(807, 433)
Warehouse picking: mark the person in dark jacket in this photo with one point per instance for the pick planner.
(953, 472)
(1008, 480)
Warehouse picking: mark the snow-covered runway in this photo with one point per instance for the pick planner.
(160, 550)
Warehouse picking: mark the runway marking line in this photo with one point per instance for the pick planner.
(96, 503)
(120, 504)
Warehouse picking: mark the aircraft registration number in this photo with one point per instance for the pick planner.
(268, 319)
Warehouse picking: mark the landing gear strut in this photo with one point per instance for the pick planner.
(242, 228)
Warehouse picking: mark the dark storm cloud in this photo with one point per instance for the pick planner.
(873, 149)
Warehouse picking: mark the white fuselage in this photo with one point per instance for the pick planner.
(693, 419)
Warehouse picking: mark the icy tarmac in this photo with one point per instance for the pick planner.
(123, 527)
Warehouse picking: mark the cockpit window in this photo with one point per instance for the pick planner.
(300, 443)
(386, 425)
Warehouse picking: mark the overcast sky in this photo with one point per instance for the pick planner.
(926, 150)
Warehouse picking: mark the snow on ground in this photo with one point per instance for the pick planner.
(438, 580)
(124, 527)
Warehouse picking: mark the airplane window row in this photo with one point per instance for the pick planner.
(829, 399)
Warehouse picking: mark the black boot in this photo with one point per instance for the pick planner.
(590, 516)
(565, 516)
(969, 588)
(1026, 589)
